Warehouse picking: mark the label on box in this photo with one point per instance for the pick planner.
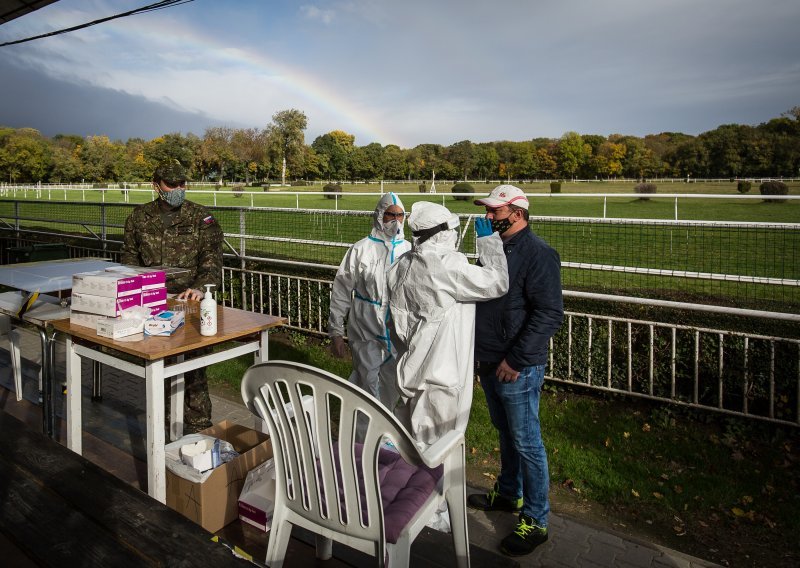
(118, 327)
(103, 305)
(164, 323)
(107, 284)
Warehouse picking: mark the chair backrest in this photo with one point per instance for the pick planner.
(326, 434)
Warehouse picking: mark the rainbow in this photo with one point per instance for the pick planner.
(303, 84)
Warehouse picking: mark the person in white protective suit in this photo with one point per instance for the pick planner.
(359, 289)
(433, 290)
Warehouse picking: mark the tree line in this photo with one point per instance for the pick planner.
(279, 152)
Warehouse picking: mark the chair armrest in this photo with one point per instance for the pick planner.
(436, 453)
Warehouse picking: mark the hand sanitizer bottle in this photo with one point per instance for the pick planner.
(208, 313)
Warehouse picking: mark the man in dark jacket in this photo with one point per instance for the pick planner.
(512, 334)
(171, 231)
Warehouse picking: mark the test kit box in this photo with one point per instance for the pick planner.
(118, 327)
(150, 278)
(104, 305)
(106, 284)
(215, 502)
(84, 319)
(154, 297)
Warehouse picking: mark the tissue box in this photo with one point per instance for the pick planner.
(118, 327)
(103, 305)
(214, 503)
(164, 323)
(257, 501)
(106, 284)
(150, 278)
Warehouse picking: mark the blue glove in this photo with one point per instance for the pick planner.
(483, 227)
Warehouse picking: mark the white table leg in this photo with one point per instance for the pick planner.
(262, 355)
(156, 461)
(74, 427)
(177, 389)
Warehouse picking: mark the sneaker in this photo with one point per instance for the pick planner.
(525, 538)
(493, 501)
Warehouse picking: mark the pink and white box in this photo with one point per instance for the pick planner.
(155, 299)
(108, 284)
(151, 279)
(104, 305)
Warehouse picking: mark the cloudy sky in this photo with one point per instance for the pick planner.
(404, 72)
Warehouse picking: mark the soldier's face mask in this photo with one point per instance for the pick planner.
(173, 197)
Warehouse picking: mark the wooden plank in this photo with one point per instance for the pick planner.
(63, 510)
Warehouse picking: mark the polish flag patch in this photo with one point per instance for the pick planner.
(208, 220)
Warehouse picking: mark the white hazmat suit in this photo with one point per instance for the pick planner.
(359, 289)
(433, 290)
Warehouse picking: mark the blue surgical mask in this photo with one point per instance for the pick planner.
(173, 198)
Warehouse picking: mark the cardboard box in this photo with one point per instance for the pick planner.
(107, 284)
(150, 278)
(118, 327)
(84, 319)
(257, 501)
(102, 305)
(215, 502)
(164, 323)
(154, 297)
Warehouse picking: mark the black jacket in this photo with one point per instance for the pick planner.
(518, 326)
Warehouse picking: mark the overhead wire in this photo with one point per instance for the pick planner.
(149, 8)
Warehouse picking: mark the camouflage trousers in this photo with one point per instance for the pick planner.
(196, 400)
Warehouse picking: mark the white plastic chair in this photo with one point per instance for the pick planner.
(338, 495)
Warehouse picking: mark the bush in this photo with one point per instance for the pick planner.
(774, 188)
(331, 189)
(645, 188)
(423, 188)
(298, 183)
(743, 186)
(555, 187)
(462, 187)
(238, 190)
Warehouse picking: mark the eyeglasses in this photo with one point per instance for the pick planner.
(394, 215)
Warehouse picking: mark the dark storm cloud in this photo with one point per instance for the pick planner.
(32, 99)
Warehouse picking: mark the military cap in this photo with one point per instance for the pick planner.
(170, 171)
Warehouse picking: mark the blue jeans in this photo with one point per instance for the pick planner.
(514, 410)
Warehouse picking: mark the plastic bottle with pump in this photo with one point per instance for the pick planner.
(208, 313)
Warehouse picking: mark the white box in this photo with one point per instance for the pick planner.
(84, 319)
(102, 305)
(118, 327)
(107, 284)
(257, 500)
(164, 323)
(150, 278)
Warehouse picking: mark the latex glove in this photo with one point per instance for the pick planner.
(338, 347)
(483, 227)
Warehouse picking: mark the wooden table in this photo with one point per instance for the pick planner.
(59, 509)
(238, 332)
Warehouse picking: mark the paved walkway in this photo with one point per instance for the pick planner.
(571, 544)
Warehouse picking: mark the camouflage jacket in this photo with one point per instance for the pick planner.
(193, 241)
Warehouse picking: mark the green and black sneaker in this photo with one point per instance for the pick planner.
(525, 538)
(493, 501)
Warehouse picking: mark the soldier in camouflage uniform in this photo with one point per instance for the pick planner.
(171, 231)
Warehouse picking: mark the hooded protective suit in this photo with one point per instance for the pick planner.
(433, 290)
(360, 289)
